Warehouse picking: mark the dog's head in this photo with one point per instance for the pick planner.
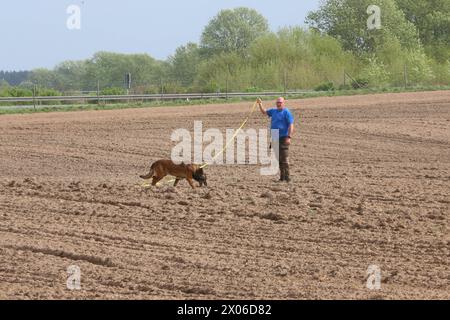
(200, 176)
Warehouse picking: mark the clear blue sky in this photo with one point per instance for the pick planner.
(34, 34)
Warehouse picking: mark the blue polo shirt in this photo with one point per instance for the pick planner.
(281, 120)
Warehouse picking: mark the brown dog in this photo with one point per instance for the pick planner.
(162, 168)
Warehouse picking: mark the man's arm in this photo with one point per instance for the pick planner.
(261, 108)
(290, 133)
(291, 130)
(290, 120)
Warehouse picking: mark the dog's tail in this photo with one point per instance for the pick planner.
(149, 175)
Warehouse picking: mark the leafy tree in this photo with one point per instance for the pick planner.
(233, 31)
(110, 69)
(346, 20)
(302, 58)
(71, 75)
(4, 84)
(184, 63)
(14, 78)
(44, 78)
(432, 20)
(17, 92)
(375, 72)
(213, 73)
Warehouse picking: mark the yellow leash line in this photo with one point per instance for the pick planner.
(234, 136)
(146, 185)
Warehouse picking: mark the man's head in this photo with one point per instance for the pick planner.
(280, 103)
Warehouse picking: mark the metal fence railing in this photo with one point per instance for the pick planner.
(143, 97)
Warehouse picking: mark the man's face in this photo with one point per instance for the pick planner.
(280, 103)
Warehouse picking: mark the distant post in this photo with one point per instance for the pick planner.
(34, 97)
(98, 92)
(128, 82)
(226, 88)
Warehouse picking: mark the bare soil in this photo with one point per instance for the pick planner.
(371, 181)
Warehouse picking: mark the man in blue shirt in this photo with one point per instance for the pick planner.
(282, 120)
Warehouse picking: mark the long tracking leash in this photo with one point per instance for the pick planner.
(147, 184)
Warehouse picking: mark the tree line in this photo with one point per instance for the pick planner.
(13, 78)
(238, 52)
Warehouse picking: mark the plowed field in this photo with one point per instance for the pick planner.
(371, 186)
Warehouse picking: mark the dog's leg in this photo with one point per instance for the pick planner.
(176, 182)
(191, 183)
(156, 180)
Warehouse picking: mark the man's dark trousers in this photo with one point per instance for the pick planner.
(284, 159)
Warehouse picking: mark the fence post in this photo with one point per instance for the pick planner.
(285, 82)
(226, 88)
(34, 97)
(98, 92)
